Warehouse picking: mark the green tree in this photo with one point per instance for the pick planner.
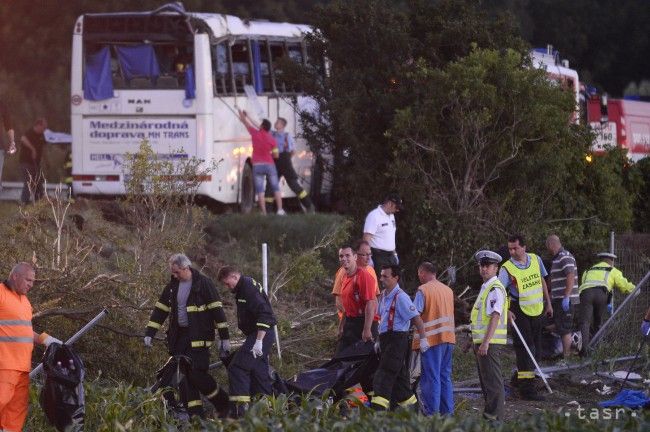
(490, 150)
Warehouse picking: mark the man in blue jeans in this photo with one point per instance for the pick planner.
(435, 303)
(265, 150)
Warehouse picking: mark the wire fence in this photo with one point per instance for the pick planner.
(621, 333)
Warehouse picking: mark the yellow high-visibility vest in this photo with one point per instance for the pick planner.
(529, 285)
(480, 319)
(605, 275)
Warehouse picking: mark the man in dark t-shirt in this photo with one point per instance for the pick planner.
(31, 152)
(10, 145)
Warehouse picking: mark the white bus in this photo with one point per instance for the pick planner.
(558, 71)
(176, 79)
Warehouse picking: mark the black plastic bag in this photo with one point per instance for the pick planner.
(62, 396)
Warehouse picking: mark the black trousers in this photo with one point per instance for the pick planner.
(285, 169)
(250, 376)
(531, 330)
(391, 382)
(381, 258)
(352, 331)
(593, 305)
(489, 373)
(198, 379)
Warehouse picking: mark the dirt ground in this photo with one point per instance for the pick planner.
(573, 390)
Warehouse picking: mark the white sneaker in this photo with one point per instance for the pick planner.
(281, 212)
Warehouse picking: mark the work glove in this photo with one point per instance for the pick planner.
(424, 345)
(566, 302)
(610, 308)
(50, 340)
(257, 349)
(377, 348)
(224, 349)
(645, 327)
(147, 341)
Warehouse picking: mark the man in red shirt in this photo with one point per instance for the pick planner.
(359, 300)
(265, 150)
(362, 248)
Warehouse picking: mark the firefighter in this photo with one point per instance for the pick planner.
(195, 309)
(248, 371)
(523, 274)
(67, 170)
(596, 289)
(435, 304)
(489, 326)
(391, 381)
(17, 339)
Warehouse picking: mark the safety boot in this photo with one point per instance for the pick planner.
(237, 410)
(220, 402)
(528, 391)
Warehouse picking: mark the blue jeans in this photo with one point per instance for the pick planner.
(435, 382)
(265, 170)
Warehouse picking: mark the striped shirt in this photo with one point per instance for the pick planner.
(563, 264)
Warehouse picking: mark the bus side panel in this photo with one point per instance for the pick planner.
(231, 147)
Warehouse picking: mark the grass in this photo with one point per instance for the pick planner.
(114, 406)
(302, 262)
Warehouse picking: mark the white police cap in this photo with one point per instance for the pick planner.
(487, 256)
(606, 255)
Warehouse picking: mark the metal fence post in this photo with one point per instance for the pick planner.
(265, 284)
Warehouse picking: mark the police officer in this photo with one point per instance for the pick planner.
(196, 309)
(379, 230)
(523, 274)
(489, 325)
(595, 291)
(248, 371)
(397, 311)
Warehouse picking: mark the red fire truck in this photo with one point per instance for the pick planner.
(617, 122)
(620, 122)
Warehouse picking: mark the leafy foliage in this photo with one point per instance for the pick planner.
(111, 406)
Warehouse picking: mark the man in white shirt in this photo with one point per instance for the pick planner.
(379, 230)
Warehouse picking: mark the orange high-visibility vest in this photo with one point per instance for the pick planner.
(16, 334)
(438, 314)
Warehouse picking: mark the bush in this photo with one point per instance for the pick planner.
(113, 406)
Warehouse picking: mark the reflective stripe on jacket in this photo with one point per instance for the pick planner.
(529, 285)
(480, 319)
(607, 276)
(16, 333)
(204, 312)
(438, 314)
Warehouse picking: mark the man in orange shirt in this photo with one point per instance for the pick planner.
(435, 302)
(17, 339)
(362, 249)
(359, 300)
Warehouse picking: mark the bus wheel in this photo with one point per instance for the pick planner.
(247, 196)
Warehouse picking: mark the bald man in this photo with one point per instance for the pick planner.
(17, 339)
(563, 286)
